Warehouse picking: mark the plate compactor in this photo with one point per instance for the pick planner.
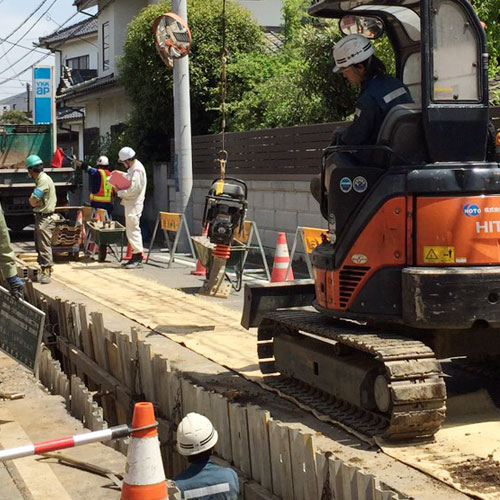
(410, 272)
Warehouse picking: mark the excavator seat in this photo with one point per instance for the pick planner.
(403, 132)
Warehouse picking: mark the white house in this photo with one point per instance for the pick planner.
(94, 104)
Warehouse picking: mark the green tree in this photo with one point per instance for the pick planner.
(148, 82)
(14, 117)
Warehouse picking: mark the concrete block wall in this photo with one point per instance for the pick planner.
(273, 205)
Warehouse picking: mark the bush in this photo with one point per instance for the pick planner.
(14, 117)
(151, 125)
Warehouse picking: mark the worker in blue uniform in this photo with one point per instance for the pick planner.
(203, 479)
(379, 92)
(101, 191)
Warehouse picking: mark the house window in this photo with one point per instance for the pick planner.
(81, 62)
(105, 46)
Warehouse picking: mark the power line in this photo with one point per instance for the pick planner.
(32, 50)
(18, 45)
(29, 29)
(25, 21)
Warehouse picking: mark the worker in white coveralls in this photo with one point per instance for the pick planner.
(202, 480)
(132, 200)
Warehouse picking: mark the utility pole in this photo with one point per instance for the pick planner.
(182, 125)
(27, 98)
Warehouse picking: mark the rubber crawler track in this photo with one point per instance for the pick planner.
(414, 375)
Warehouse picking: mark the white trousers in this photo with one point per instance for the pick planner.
(132, 218)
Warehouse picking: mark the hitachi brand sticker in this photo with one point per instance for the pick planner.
(489, 226)
(439, 255)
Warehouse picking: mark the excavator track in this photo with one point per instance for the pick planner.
(414, 378)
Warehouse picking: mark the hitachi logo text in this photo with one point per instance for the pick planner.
(492, 226)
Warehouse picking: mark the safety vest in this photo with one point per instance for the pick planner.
(105, 193)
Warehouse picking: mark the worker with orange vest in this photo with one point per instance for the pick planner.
(101, 191)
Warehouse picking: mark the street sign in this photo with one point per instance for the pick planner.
(43, 94)
(21, 329)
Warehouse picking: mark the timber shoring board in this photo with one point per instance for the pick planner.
(230, 419)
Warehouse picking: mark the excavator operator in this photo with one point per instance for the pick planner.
(355, 59)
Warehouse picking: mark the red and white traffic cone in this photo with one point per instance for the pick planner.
(200, 269)
(79, 222)
(281, 261)
(144, 475)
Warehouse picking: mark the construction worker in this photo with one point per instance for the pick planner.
(43, 199)
(355, 59)
(101, 191)
(203, 479)
(8, 266)
(133, 203)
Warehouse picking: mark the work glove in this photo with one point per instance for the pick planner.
(16, 285)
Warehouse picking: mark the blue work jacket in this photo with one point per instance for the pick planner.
(208, 481)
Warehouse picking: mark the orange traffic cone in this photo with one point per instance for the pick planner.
(200, 269)
(281, 261)
(144, 475)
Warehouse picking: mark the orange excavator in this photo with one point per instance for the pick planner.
(409, 273)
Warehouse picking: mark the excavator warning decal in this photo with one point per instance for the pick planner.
(439, 255)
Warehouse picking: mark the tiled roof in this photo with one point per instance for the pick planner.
(85, 27)
(88, 86)
(65, 113)
(274, 40)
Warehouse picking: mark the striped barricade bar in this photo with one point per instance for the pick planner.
(310, 237)
(116, 432)
(176, 223)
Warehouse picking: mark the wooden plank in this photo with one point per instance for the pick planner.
(126, 360)
(239, 438)
(303, 457)
(162, 377)
(115, 367)
(190, 394)
(101, 377)
(76, 323)
(98, 340)
(281, 465)
(175, 409)
(260, 457)
(145, 362)
(87, 344)
(220, 420)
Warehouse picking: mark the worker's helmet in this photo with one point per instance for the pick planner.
(34, 162)
(352, 49)
(103, 161)
(126, 153)
(195, 434)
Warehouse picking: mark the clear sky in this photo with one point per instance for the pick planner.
(51, 16)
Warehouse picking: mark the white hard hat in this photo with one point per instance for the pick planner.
(352, 49)
(103, 160)
(126, 153)
(195, 434)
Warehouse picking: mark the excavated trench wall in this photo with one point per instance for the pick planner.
(102, 373)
